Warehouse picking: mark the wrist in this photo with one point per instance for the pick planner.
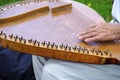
(117, 31)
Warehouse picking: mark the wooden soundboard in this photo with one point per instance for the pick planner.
(50, 29)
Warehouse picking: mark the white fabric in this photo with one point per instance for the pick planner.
(116, 10)
(62, 70)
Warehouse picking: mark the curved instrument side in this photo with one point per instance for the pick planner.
(55, 51)
(60, 26)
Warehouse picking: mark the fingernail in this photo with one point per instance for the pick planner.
(77, 35)
(80, 37)
(87, 40)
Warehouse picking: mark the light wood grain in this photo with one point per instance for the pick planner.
(50, 29)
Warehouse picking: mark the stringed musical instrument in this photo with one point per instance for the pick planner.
(50, 29)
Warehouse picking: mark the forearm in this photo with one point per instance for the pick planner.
(116, 31)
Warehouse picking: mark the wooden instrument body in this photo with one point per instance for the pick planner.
(46, 26)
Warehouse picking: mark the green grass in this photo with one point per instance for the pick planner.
(4, 2)
(103, 7)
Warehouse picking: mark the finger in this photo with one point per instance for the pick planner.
(93, 39)
(92, 34)
(87, 31)
(91, 26)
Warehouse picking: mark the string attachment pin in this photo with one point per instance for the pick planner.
(11, 36)
(74, 48)
(43, 43)
(1, 32)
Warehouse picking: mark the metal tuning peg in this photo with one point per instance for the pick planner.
(74, 48)
(69, 48)
(84, 49)
(11, 36)
(101, 52)
(30, 41)
(34, 42)
(110, 54)
(34, 1)
(7, 7)
(92, 50)
(20, 39)
(52, 45)
(48, 44)
(1, 9)
(1, 32)
(21, 3)
(61, 46)
(14, 5)
(97, 51)
(24, 40)
(106, 52)
(15, 38)
(65, 47)
(4, 35)
(79, 49)
(87, 51)
(56, 46)
(28, 2)
(25, 3)
(38, 43)
(11, 6)
(43, 43)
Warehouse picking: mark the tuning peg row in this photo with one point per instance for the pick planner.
(66, 47)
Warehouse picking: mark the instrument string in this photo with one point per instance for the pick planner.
(50, 20)
(64, 17)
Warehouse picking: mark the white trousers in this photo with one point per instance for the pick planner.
(63, 70)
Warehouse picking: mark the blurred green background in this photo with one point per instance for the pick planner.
(103, 7)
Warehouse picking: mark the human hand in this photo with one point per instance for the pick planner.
(101, 32)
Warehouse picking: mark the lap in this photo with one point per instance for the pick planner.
(64, 70)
